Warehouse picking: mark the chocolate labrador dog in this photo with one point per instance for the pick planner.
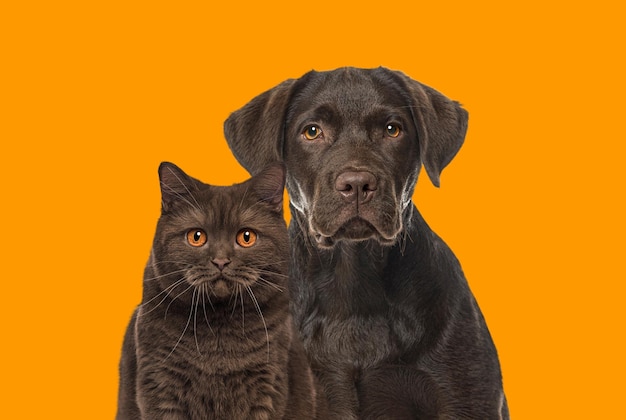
(386, 315)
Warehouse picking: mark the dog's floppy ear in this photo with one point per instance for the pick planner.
(254, 133)
(441, 126)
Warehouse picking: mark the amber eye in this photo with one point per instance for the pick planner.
(392, 130)
(312, 132)
(196, 237)
(246, 238)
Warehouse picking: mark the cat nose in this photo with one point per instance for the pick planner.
(220, 262)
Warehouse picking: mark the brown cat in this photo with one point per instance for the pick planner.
(213, 336)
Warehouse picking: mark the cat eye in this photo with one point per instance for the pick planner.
(312, 132)
(246, 238)
(393, 130)
(196, 237)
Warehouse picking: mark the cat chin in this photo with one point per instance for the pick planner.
(220, 288)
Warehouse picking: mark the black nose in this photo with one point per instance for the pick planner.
(220, 262)
(356, 186)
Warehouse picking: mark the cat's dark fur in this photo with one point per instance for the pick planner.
(213, 336)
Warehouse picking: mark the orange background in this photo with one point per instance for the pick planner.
(95, 94)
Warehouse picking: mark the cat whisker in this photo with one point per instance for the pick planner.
(179, 262)
(233, 299)
(271, 273)
(176, 297)
(186, 326)
(264, 282)
(164, 275)
(243, 308)
(167, 292)
(205, 294)
(195, 301)
(258, 309)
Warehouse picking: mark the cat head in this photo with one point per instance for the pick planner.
(215, 242)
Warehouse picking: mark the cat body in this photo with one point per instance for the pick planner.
(213, 337)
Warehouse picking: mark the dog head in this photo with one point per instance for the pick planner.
(353, 141)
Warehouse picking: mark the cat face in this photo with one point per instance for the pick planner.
(216, 243)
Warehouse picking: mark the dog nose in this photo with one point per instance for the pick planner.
(220, 262)
(356, 186)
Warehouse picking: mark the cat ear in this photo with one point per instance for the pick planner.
(269, 185)
(176, 185)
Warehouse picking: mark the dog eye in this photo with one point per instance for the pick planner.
(312, 132)
(196, 237)
(246, 238)
(393, 130)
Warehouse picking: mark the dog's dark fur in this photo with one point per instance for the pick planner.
(386, 315)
